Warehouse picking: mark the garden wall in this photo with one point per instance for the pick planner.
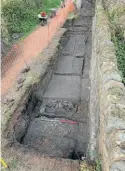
(107, 87)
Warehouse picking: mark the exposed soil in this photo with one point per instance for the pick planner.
(56, 123)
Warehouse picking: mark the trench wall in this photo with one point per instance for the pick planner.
(107, 105)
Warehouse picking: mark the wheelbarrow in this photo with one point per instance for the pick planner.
(53, 12)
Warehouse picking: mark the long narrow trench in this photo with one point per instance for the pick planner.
(60, 124)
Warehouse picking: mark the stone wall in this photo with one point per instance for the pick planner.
(116, 8)
(116, 12)
(107, 87)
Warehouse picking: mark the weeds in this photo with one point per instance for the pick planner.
(98, 165)
(119, 42)
(21, 15)
(120, 54)
(86, 167)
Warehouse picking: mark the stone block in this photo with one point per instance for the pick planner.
(69, 65)
(114, 123)
(63, 87)
(118, 166)
(113, 75)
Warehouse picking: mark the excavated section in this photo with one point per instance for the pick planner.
(57, 124)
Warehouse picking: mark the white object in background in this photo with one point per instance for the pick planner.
(78, 4)
(39, 16)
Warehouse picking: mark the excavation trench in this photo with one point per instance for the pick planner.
(55, 122)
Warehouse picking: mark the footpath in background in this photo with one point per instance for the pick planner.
(24, 52)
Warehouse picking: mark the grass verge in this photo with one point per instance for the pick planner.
(21, 15)
(118, 39)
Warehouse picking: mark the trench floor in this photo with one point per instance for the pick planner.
(60, 127)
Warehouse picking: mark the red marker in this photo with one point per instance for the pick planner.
(67, 121)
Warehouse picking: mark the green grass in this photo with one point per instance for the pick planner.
(119, 42)
(47, 4)
(86, 167)
(120, 54)
(98, 165)
(21, 15)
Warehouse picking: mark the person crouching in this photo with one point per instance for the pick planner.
(43, 18)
